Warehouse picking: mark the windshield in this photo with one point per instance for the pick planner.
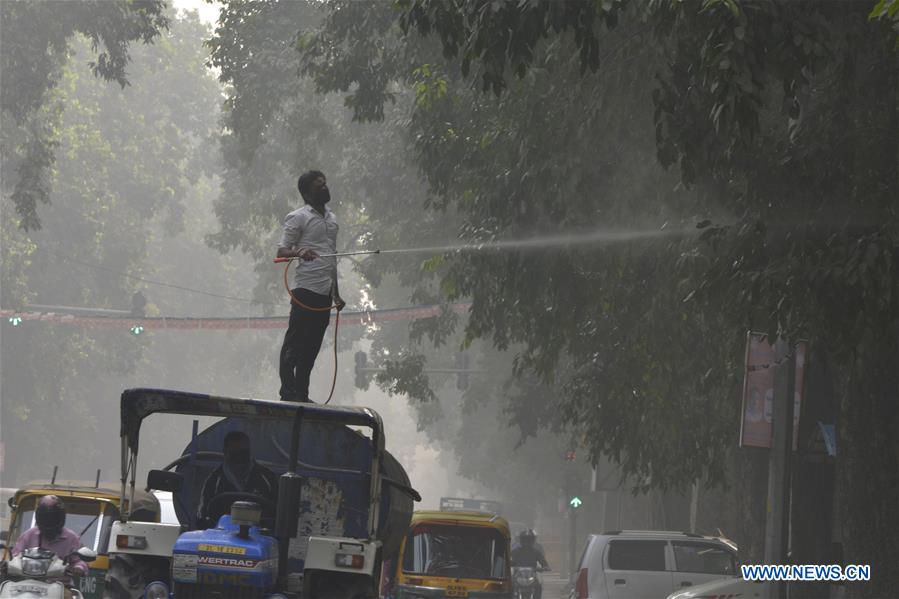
(82, 517)
(455, 551)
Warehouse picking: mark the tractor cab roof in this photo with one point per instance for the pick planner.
(137, 404)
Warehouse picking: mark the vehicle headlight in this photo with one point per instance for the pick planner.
(276, 596)
(35, 567)
(156, 590)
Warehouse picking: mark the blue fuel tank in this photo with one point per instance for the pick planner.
(335, 463)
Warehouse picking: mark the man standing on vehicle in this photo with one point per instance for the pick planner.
(239, 473)
(309, 232)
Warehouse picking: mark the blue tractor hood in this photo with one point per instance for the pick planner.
(219, 556)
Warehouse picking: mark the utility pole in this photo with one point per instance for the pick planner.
(572, 539)
(779, 463)
(894, 304)
(694, 504)
(572, 495)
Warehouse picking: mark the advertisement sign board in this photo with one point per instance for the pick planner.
(758, 391)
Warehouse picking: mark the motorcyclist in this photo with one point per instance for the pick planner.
(50, 533)
(529, 554)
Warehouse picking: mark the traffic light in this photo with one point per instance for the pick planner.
(15, 320)
(138, 305)
(570, 455)
(575, 502)
(361, 375)
(137, 329)
(462, 375)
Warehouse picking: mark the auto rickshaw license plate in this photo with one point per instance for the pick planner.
(455, 590)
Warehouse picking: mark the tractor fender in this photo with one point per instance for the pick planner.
(325, 554)
(144, 538)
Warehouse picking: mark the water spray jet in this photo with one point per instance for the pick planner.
(601, 237)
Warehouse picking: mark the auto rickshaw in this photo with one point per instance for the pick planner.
(91, 508)
(452, 554)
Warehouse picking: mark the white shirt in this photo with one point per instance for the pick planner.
(306, 228)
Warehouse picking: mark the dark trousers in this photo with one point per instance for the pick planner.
(303, 340)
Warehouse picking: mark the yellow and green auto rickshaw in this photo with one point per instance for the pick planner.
(90, 511)
(452, 554)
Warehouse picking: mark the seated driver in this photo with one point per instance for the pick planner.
(51, 533)
(239, 473)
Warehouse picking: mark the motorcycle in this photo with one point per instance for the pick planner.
(527, 582)
(30, 575)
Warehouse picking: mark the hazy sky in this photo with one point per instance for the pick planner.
(208, 12)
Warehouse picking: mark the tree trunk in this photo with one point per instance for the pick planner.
(868, 459)
(813, 478)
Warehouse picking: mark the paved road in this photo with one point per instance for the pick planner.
(554, 586)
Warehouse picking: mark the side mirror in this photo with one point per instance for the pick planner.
(86, 554)
(163, 480)
(11, 502)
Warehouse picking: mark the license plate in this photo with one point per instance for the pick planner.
(454, 590)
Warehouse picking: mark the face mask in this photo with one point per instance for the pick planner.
(50, 533)
(239, 460)
(322, 196)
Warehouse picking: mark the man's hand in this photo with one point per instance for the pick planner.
(338, 301)
(307, 254)
(79, 569)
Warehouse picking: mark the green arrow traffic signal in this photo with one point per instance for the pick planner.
(575, 502)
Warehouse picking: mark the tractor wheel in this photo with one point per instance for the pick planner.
(128, 575)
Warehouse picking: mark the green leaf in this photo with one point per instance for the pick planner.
(432, 264)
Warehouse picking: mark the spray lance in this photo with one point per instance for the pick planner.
(294, 300)
(337, 255)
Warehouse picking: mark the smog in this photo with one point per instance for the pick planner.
(351, 299)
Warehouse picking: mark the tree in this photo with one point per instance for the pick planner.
(127, 161)
(35, 46)
(782, 119)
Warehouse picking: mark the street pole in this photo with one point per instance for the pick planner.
(572, 539)
(694, 504)
(779, 462)
(894, 305)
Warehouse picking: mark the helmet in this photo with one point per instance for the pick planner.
(50, 516)
(527, 537)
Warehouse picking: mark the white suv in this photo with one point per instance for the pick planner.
(638, 564)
